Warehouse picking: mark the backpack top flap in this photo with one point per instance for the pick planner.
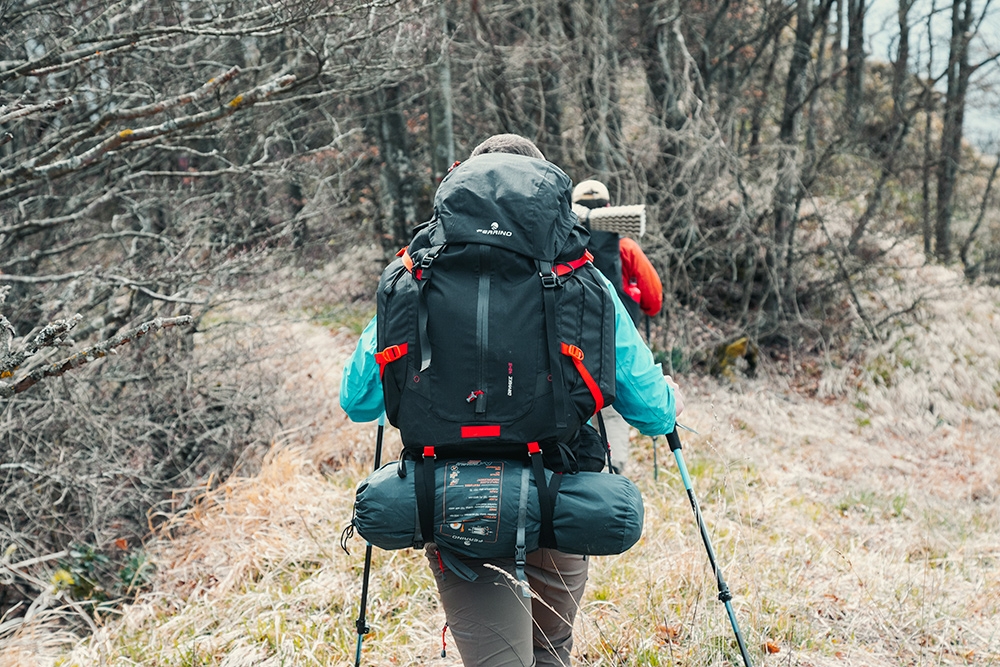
(510, 201)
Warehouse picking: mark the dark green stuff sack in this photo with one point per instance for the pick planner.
(477, 505)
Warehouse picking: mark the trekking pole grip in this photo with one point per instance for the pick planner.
(673, 440)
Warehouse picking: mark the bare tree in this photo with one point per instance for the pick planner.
(966, 23)
(788, 195)
(154, 158)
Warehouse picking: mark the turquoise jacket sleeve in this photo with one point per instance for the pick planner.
(360, 385)
(642, 395)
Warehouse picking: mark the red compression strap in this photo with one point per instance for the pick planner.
(407, 260)
(389, 355)
(576, 354)
(566, 267)
(487, 431)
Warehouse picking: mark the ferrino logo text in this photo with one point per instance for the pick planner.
(494, 230)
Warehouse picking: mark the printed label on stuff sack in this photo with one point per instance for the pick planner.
(472, 496)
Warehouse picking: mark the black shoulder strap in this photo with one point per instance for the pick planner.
(559, 393)
(422, 274)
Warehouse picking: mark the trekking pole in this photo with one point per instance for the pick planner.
(656, 470)
(361, 624)
(724, 595)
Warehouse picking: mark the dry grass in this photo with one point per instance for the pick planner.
(860, 527)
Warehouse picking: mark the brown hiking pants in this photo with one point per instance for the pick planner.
(494, 625)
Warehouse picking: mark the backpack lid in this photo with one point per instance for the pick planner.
(510, 201)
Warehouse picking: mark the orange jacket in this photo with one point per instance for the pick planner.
(639, 277)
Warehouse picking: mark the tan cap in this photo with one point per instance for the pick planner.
(590, 190)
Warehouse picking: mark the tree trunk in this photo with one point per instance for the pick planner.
(959, 72)
(927, 225)
(492, 72)
(551, 143)
(762, 100)
(660, 49)
(837, 51)
(440, 101)
(787, 192)
(900, 68)
(552, 40)
(854, 79)
(796, 172)
(601, 117)
(397, 177)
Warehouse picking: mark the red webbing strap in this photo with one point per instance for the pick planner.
(389, 355)
(567, 267)
(407, 260)
(576, 354)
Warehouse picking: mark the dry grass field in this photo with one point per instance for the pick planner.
(854, 507)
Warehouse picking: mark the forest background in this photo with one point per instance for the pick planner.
(184, 185)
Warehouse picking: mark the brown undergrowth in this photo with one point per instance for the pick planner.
(857, 526)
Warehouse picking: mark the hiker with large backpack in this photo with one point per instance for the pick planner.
(497, 339)
(625, 264)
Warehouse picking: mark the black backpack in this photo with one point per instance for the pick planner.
(605, 248)
(494, 328)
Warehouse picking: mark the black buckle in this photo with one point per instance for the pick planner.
(520, 555)
(548, 280)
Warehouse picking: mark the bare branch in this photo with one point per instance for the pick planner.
(133, 113)
(39, 254)
(983, 204)
(150, 293)
(5, 326)
(34, 280)
(89, 354)
(872, 330)
(39, 559)
(63, 219)
(49, 336)
(185, 98)
(35, 108)
(115, 141)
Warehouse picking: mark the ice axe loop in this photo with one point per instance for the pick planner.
(724, 595)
